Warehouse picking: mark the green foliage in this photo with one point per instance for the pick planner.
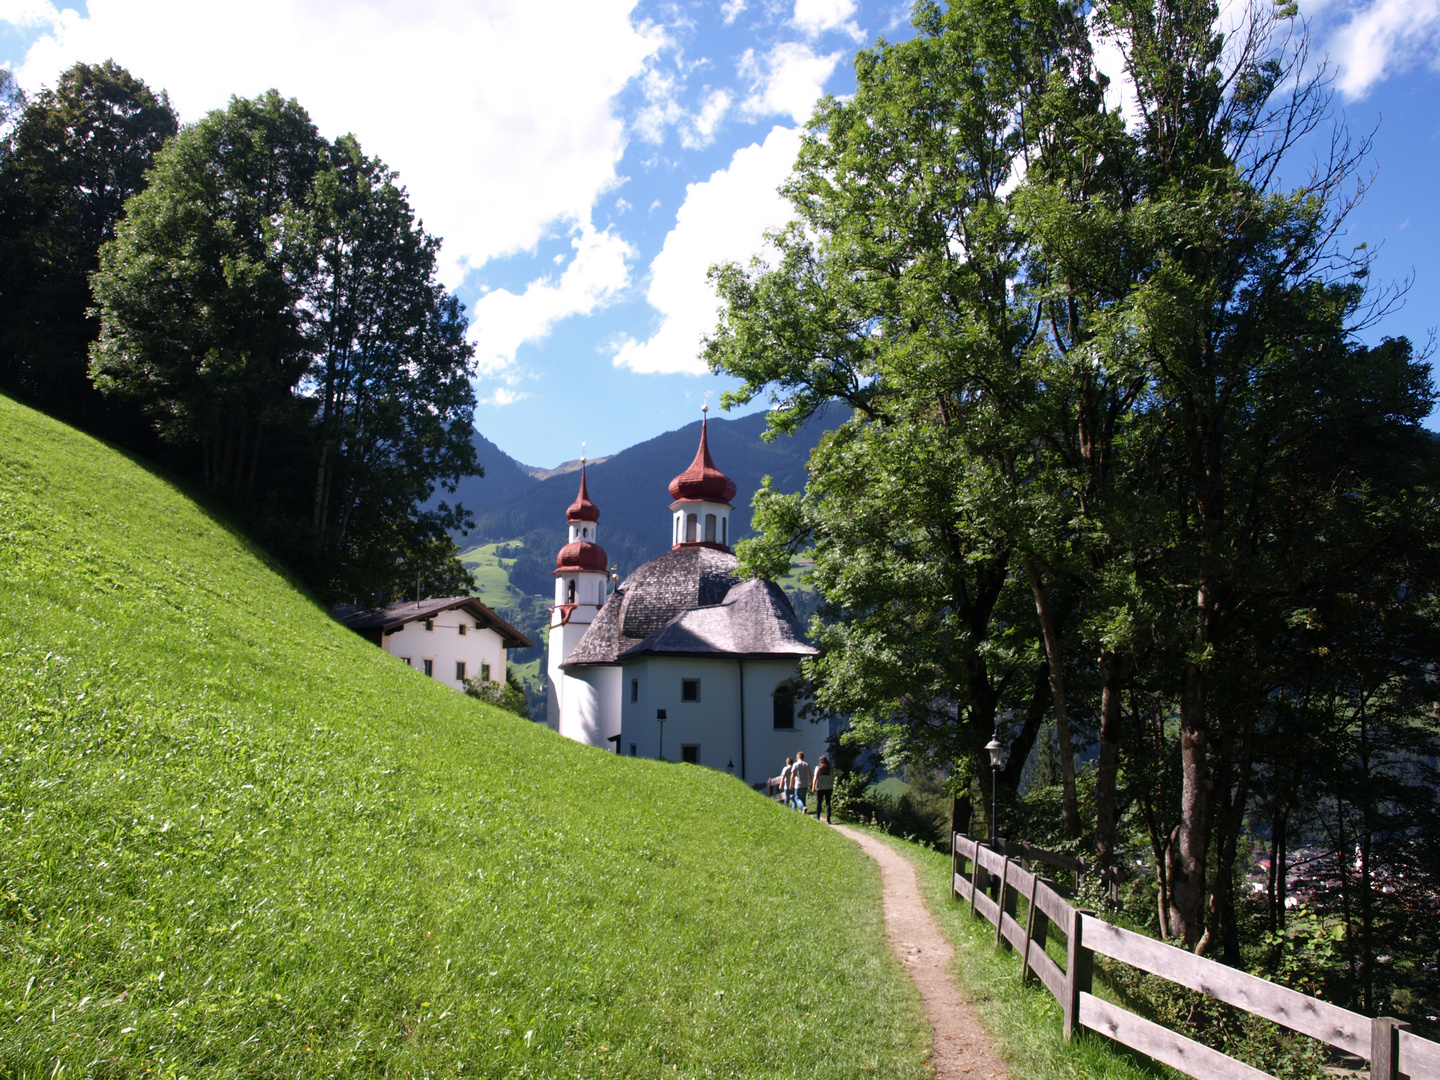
(509, 695)
(239, 840)
(78, 152)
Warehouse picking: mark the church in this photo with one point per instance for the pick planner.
(683, 660)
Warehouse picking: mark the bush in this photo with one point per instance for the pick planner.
(509, 695)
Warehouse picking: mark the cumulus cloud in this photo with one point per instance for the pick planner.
(1382, 38)
(786, 81)
(722, 219)
(502, 320)
(499, 117)
(730, 10)
(815, 17)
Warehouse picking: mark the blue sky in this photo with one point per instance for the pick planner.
(586, 160)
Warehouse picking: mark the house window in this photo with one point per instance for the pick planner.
(689, 689)
(429, 667)
(485, 672)
(710, 528)
(462, 629)
(408, 662)
(690, 752)
(459, 670)
(784, 699)
(634, 690)
(429, 625)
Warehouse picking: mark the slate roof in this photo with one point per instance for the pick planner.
(407, 611)
(754, 619)
(648, 599)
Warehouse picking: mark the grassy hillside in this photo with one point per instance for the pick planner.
(236, 840)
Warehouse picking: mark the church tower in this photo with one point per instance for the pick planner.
(700, 514)
(581, 578)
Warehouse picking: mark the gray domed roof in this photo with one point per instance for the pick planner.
(648, 599)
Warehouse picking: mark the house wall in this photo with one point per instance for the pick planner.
(713, 723)
(445, 645)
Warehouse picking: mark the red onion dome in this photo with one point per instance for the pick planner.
(581, 555)
(582, 509)
(702, 480)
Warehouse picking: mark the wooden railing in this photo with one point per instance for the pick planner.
(1393, 1051)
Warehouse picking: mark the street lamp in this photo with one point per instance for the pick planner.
(997, 755)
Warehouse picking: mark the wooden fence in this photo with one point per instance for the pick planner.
(1393, 1051)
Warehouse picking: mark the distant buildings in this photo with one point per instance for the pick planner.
(452, 639)
(683, 660)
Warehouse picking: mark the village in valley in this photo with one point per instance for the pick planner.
(984, 620)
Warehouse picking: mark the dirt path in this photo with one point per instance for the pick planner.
(962, 1049)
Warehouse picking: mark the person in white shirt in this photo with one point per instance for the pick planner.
(802, 775)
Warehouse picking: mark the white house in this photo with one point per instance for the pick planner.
(451, 639)
(683, 661)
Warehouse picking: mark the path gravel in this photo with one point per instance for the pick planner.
(961, 1049)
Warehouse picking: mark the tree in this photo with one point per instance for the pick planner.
(200, 291)
(77, 154)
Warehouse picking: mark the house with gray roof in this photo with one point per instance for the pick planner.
(452, 639)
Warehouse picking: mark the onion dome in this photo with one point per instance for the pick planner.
(581, 555)
(582, 509)
(702, 480)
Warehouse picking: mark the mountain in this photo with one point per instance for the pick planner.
(631, 489)
(504, 478)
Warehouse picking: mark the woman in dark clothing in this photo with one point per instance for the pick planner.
(823, 784)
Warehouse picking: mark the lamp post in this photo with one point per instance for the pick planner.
(997, 752)
(660, 717)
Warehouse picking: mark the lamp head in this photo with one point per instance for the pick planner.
(996, 752)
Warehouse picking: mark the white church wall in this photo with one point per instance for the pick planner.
(590, 705)
(767, 746)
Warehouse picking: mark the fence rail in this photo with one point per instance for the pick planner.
(1393, 1051)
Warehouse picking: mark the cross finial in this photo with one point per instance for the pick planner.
(706, 407)
(582, 455)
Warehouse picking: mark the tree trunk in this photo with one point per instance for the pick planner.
(1069, 806)
(1187, 866)
(1106, 817)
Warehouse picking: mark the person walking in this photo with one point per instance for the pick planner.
(787, 782)
(802, 775)
(823, 785)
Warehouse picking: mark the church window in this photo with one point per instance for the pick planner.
(632, 749)
(784, 699)
(570, 592)
(634, 690)
(689, 689)
(710, 528)
(724, 528)
(692, 526)
(690, 752)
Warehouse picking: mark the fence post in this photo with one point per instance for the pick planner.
(1000, 901)
(954, 852)
(1385, 1047)
(1079, 965)
(975, 873)
(1034, 928)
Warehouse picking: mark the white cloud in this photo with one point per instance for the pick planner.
(815, 17)
(786, 81)
(722, 219)
(502, 321)
(1110, 62)
(498, 116)
(731, 10)
(699, 131)
(1382, 38)
(503, 396)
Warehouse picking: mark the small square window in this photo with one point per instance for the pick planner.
(689, 689)
(632, 749)
(408, 661)
(634, 690)
(459, 670)
(462, 629)
(485, 672)
(429, 667)
(690, 752)
(429, 625)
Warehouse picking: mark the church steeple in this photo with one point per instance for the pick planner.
(702, 494)
(580, 566)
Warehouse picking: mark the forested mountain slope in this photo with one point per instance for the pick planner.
(240, 841)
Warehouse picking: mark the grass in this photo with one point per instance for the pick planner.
(1025, 1022)
(492, 576)
(238, 841)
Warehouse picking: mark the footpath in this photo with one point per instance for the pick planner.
(961, 1049)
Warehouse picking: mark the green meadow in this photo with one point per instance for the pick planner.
(237, 840)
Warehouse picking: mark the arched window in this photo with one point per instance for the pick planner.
(784, 704)
(692, 526)
(724, 528)
(710, 528)
(570, 592)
